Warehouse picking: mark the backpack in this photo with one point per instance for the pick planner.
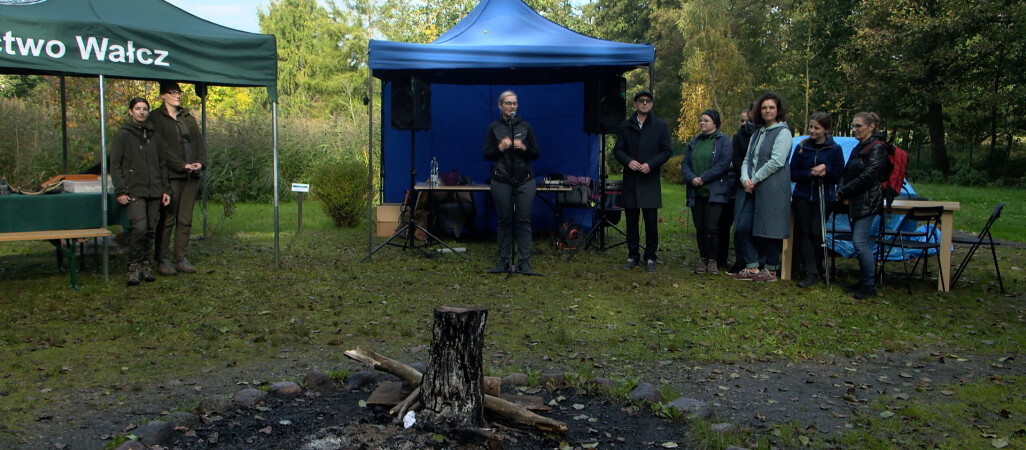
(894, 177)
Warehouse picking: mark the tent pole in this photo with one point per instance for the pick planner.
(64, 121)
(274, 119)
(371, 226)
(203, 131)
(103, 182)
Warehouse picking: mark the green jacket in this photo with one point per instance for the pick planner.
(137, 164)
(185, 143)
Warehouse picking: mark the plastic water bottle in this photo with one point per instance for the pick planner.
(3, 186)
(434, 172)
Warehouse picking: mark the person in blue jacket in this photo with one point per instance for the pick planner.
(816, 166)
(706, 170)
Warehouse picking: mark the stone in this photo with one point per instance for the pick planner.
(153, 433)
(554, 380)
(286, 388)
(183, 419)
(420, 366)
(722, 427)
(602, 382)
(215, 404)
(131, 445)
(318, 381)
(249, 397)
(691, 407)
(646, 393)
(361, 379)
(515, 379)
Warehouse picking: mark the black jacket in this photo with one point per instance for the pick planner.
(860, 182)
(646, 144)
(182, 148)
(740, 142)
(137, 164)
(511, 166)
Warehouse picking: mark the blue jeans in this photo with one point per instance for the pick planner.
(860, 232)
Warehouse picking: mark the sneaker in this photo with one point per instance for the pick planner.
(765, 275)
(809, 280)
(746, 274)
(146, 273)
(711, 268)
(133, 275)
(864, 292)
(164, 268)
(631, 263)
(650, 266)
(703, 266)
(185, 267)
(501, 266)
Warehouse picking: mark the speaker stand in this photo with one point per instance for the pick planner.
(598, 229)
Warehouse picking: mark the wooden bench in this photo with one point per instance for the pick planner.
(70, 237)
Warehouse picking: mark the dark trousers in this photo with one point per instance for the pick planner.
(808, 236)
(513, 205)
(651, 216)
(142, 217)
(177, 217)
(754, 250)
(726, 221)
(706, 217)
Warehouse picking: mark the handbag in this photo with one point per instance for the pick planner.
(578, 196)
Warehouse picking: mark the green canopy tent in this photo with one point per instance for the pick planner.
(137, 39)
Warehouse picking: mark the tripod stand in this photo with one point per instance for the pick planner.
(598, 229)
(407, 216)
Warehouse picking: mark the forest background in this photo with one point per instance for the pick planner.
(945, 76)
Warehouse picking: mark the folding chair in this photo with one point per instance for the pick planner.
(982, 238)
(900, 238)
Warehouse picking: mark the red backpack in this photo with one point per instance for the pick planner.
(894, 180)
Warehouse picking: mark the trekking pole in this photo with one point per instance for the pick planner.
(822, 232)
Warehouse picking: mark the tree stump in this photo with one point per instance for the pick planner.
(451, 387)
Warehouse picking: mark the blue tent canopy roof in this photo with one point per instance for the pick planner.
(508, 34)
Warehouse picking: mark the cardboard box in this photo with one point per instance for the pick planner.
(86, 186)
(387, 219)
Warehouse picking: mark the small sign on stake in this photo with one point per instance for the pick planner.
(301, 188)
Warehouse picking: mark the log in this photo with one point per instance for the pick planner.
(451, 387)
(494, 405)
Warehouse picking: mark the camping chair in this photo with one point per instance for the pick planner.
(837, 232)
(983, 237)
(900, 238)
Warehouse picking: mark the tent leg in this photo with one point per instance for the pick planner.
(277, 259)
(371, 227)
(103, 184)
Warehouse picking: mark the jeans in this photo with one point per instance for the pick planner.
(744, 243)
(707, 219)
(513, 205)
(860, 232)
(651, 216)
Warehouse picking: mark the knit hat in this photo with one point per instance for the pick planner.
(715, 116)
(168, 86)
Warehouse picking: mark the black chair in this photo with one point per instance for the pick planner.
(983, 238)
(930, 216)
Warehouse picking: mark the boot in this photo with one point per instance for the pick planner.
(185, 267)
(133, 275)
(146, 273)
(165, 268)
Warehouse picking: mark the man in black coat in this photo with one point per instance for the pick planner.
(642, 146)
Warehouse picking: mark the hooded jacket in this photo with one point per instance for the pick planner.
(511, 166)
(185, 143)
(860, 183)
(808, 154)
(137, 164)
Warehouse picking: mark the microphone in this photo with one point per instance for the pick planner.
(512, 115)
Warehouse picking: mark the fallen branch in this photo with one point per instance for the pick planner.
(404, 406)
(494, 405)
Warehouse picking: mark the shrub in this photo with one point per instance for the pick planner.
(341, 188)
(671, 170)
(967, 176)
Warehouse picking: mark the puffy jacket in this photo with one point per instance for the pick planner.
(137, 164)
(860, 183)
(511, 166)
(718, 178)
(182, 147)
(808, 154)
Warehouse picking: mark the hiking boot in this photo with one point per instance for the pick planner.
(809, 280)
(631, 263)
(650, 266)
(146, 273)
(501, 266)
(712, 268)
(766, 276)
(133, 275)
(165, 269)
(746, 274)
(185, 267)
(703, 266)
(864, 292)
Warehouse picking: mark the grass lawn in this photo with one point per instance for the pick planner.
(585, 316)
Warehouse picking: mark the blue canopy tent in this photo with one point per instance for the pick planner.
(500, 45)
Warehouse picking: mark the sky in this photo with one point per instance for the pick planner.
(237, 14)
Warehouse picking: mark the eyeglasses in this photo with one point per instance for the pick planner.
(174, 93)
(510, 103)
(644, 100)
(856, 126)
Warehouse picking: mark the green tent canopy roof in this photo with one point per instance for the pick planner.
(139, 39)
